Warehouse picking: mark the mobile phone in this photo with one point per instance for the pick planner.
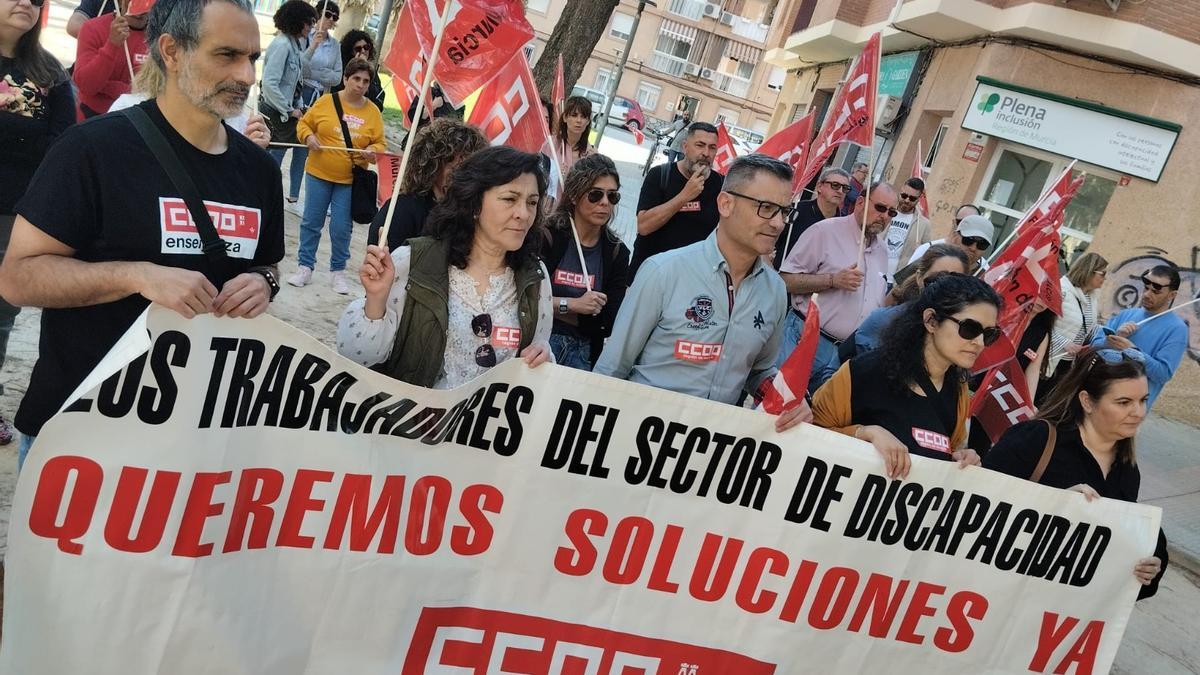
(1107, 331)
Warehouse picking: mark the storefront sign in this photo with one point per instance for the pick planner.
(894, 73)
(973, 152)
(1114, 139)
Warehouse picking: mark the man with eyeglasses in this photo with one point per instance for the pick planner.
(909, 229)
(831, 188)
(707, 319)
(1163, 341)
(678, 202)
(826, 261)
(972, 233)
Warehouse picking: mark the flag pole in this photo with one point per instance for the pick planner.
(426, 84)
(125, 44)
(1173, 309)
(862, 238)
(1012, 234)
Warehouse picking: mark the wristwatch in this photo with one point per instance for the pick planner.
(272, 282)
(562, 305)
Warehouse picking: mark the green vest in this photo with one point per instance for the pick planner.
(420, 346)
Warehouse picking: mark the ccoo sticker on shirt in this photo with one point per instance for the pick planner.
(686, 350)
(238, 227)
(690, 207)
(931, 440)
(572, 279)
(503, 336)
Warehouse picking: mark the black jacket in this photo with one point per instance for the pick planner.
(614, 272)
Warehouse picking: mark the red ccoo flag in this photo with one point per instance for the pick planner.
(1028, 269)
(481, 37)
(726, 153)
(851, 116)
(786, 390)
(790, 146)
(558, 94)
(389, 169)
(139, 7)
(1002, 399)
(406, 61)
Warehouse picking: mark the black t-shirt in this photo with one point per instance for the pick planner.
(694, 222)
(1039, 328)
(29, 122)
(407, 222)
(803, 217)
(101, 192)
(567, 281)
(926, 425)
(92, 7)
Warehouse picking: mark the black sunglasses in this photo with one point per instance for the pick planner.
(596, 194)
(331, 15)
(969, 329)
(840, 187)
(766, 210)
(880, 208)
(909, 198)
(977, 243)
(1157, 287)
(481, 326)
(37, 3)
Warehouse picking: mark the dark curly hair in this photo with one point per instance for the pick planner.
(575, 104)
(438, 143)
(903, 353)
(454, 218)
(293, 17)
(582, 177)
(348, 41)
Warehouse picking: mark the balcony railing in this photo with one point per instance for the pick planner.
(731, 84)
(749, 29)
(665, 63)
(688, 8)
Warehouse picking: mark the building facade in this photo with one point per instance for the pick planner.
(999, 96)
(706, 57)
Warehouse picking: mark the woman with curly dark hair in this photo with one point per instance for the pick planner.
(910, 394)
(444, 309)
(589, 264)
(357, 44)
(279, 97)
(574, 130)
(440, 147)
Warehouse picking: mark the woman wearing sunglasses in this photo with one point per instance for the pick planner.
(444, 309)
(587, 292)
(36, 105)
(357, 44)
(1073, 330)
(1082, 439)
(909, 396)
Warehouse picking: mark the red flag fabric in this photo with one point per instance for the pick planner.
(481, 37)
(726, 152)
(851, 116)
(508, 112)
(406, 60)
(1002, 399)
(1028, 269)
(919, 172)
(389, 169)
(790, 146)
(786, 390)
(558, 93)
(638, 136)
(138, 7)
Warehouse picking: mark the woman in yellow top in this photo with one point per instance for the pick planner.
(328, 174)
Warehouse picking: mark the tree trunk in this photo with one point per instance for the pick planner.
(575, 36)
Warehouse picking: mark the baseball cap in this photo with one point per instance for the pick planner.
(977, 226)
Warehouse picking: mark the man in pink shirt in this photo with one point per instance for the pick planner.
(825, 261)
(101, 71)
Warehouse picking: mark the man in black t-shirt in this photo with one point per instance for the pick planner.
(102, 231)
(678, 203)
(831, 189)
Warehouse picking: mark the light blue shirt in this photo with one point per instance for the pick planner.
(1163, 341)
(867, 336)
(682, 328)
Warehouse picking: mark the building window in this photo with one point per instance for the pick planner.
(729, 117)
(932, 153)
(537, 5)
(603, 76)
(647, 96)
(621, 26)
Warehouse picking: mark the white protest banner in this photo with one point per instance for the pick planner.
(236, 498)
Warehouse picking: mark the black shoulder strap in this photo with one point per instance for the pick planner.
(662, 179)
(213, 246)
(337, 105)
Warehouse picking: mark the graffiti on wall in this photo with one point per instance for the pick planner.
(1123, 289)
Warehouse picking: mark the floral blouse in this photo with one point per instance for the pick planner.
(32, 116)
(369, 342)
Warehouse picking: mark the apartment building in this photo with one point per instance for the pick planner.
(705, 57)
(1001, 95)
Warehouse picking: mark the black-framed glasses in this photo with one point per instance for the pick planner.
(909, 198)
(481, 325)
(485, 354)
(1154, 285)
(969, 329)
(840, 187)
(37, 3)
(977, 243)
(331, 15)
(596, 194)
(883, 208)
(766, 210)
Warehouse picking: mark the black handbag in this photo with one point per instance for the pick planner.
(364, 186)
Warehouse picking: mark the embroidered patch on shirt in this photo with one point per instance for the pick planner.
(699, 314)
(697, 351)
(931, 440)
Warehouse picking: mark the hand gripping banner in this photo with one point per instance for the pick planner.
(230, 496)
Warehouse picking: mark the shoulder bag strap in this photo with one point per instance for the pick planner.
(1047, 452)
(213, 246)
(337, 105)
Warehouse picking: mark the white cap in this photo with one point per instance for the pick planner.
(977, 226)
